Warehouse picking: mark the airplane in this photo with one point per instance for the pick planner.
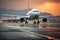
(33, 14)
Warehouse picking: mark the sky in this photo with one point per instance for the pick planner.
(50, 6)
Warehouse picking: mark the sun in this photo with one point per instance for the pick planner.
(48, 5)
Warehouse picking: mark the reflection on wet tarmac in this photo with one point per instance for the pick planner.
(30, 31)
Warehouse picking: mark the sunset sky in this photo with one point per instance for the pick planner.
(50, 6)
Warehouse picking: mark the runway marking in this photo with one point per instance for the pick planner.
(49, 28)
(41, 34)
(48, 37)
(45, 36)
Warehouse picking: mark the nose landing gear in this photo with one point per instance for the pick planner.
(36, 22)
(26, 22)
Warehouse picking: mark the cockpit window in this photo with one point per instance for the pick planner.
(35, 11)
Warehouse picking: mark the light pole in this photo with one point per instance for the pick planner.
(28, 5)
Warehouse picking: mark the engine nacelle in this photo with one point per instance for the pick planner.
(22, 20)
(44, 19)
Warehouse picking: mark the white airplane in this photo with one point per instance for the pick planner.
(33, 14)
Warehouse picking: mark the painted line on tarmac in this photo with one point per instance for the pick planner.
(50, 28)
(45, 36)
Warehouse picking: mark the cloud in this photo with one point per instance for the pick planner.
(44, 1)
(54, 0)
(51, 6)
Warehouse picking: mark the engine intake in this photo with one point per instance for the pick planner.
(22, 20)
(44, 19)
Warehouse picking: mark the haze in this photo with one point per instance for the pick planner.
(50, 6)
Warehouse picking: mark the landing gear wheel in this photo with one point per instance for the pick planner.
(34, 22)
(26, 22)
(38, 22)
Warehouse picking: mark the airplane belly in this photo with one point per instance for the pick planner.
(35, 16)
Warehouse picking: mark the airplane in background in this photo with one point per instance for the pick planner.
(33, 14)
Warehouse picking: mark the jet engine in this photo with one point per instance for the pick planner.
(44, 19)
(22, 19)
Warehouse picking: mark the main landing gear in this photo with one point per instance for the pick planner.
(36, 22)
(26, 22)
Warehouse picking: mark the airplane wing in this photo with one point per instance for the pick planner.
(9, 16)
(44, 16)
(14, 15)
